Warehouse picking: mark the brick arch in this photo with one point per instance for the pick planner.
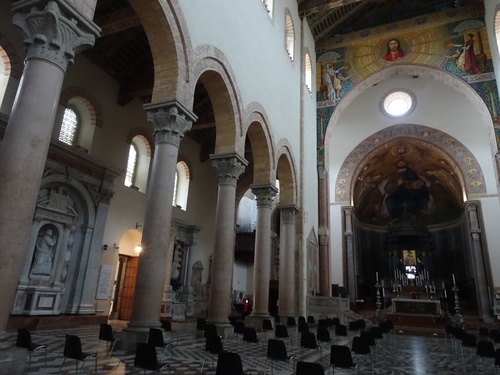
(214, 71)
(145, 136)
(87, 99)
(286, 172)
(259, 135)
(184, 159)
(12, 63)
(170, 44)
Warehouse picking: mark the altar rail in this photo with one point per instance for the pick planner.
(321, 307)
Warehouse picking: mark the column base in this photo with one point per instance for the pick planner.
(255, 320)
(136, 332)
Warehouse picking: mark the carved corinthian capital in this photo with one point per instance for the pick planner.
(265, 194)
(170, 121)
(53, 30)
(229, 167)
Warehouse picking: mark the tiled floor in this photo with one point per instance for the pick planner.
(401, 355)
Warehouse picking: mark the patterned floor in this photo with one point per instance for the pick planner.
(397, 355)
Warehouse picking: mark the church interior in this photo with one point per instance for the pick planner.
(168, 160)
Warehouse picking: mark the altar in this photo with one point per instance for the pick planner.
(416, 306)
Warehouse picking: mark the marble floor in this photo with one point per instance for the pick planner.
(426, 354)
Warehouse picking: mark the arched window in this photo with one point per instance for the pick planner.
(131, 164)
(181, 187)
(139, 157)
(269, 6)
(289, 36)
(308, 72)
(497, 28)
(69, 127)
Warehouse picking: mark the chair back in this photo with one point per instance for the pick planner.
(301, 320)
(290, 321)
(387, 326)
(361, 323)
(213, 344)
(73, 347)
(340, 356)
(310, 319)
(229, 363)
(322, 323)
(309, 368)
(267, 325)
(201, 324)
(276, 349)
(239, 327)
(145, 356)
(23, 338)
(155, 337)
(210, 329)
(166, 325)
(106, 332)
(308, 340)
(303, 327)
(250, 335)
(376, 332)
(281, 331)
(333, 321)
(323, 334)
(353, 326)
(469, 340)
(485, 348)
(360, 346)
(367, 336)
(340, 330)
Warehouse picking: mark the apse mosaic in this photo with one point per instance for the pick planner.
(460, 48)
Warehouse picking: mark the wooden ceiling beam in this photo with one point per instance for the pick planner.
(315, 6)
(118, 21)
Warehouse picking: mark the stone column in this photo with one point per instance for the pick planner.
(287, 284)
(350, 254)
(265, 194)
(324, 233)
(53, 35)
(479, 264)
(229, 167)
(170, 122)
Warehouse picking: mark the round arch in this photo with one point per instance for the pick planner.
(285, 173)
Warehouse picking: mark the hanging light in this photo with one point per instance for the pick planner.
(138, 248)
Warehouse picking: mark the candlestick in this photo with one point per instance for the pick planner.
(453, 277)
(376, 275)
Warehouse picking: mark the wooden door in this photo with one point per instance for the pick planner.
(127, 296)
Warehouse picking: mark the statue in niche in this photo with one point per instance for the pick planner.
(196, 276)
(177, 261)
(44, 253)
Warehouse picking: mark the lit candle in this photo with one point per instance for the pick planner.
(453, 277)
(376, 275)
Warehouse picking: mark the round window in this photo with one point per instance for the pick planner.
(398, 103)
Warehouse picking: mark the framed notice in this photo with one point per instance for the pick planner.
(105, 282)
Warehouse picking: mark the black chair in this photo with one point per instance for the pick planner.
(213, 345)
(281, 332)
(309, 368)
(341, 357)
(210, 329)
(250, 336)
(276, 351)
(376, 333)
(484, 332)
(485, 349)
(387, 327)
(322, 323)
(303, 327)
(146, 359)
(361, 323)
(229, 363)
(353, 328)
(155, 337)
(301, 319)
(468, 341)
(200, 327)
(323, 335)
(73, 350)
(333, 321)
(106, 334)
(308, 341)
(167, 327)
(341, 330)
(290, 322)
(238, 328)
(310, 319)
(24, 341)
(496, 364)
(361, 347)
(267, 325)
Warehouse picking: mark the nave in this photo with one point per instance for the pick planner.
(429, 353)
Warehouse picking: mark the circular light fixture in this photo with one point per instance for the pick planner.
(397, 103)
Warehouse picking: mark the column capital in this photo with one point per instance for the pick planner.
(322, 172)
(288, 212)
(53, 30)
(265, 194)
(170, 120)
(229, 167)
